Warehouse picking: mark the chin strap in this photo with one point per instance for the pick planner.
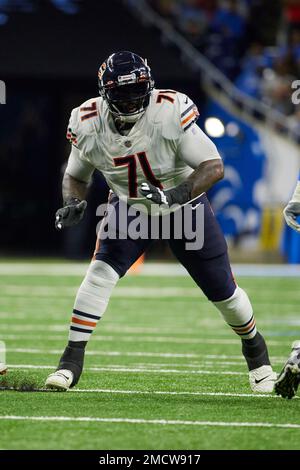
(131, 119)
(124, 125)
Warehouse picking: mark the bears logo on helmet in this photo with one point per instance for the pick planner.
(101, 70)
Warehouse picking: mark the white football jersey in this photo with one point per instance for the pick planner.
(163, 147)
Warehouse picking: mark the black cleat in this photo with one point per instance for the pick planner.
(69, 369)
(289, 378)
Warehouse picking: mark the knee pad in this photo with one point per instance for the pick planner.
(100, 278)
(238, 313)
(95, 290)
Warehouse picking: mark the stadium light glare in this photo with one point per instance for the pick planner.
(214, 127)
(232, 129)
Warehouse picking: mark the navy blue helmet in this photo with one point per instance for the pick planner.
(125, 82)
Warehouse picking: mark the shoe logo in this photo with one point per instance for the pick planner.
(195, 207)
(67, 378)
(260, 380)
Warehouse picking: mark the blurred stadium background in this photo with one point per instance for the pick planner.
(237, 63)
(162, 369)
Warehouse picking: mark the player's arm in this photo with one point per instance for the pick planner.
(74, 190)
(200, 153)
(292, 210)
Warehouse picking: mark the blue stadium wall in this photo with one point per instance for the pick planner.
(236, 198)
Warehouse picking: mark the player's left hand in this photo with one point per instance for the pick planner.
(155, 194)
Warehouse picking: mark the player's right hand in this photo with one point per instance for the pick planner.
(70, 214)
(290, 212)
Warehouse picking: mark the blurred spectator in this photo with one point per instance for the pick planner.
(225, 43)
(240, 39)
(276, 85)
(291, 11)
(164, 7)
(294, 122)
(292, 48)
(229, 21)
(216, 28)
(7, 7)
(192, 20)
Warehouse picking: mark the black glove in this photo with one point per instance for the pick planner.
(70, 214)
(178, 195)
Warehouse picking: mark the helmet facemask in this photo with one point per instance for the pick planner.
(128, 102)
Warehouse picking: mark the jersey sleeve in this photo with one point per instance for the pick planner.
(83, 126)
(195, 147)
(78, 167)
(72, 130)
(188, 112)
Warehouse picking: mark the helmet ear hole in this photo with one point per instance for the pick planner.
(126, 83)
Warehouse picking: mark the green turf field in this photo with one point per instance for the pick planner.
(162, 371)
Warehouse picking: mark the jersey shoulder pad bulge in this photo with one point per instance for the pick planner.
(174, 111)
(84, 123)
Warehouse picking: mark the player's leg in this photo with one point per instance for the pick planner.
(210, 269)
(289, 378)
(238, 313)
(113, 257)
(90, 304)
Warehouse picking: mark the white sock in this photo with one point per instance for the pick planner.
(92, 299)
(237, 312)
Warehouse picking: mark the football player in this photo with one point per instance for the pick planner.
(146, 143)
(289, 378)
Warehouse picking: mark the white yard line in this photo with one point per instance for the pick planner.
(202, 364)
(161, 392)
(133, 330)
(107, 353)
(29, 327)
(160, 366)
(124, 338)
(220, 358)
(14, 316)
(133, 370)
(220, 362)
(172, 336)
(107, 327)
(163, 422)
(263, 298)
(140, 339)
(138, 292)
(116, 327)
(148, 269)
